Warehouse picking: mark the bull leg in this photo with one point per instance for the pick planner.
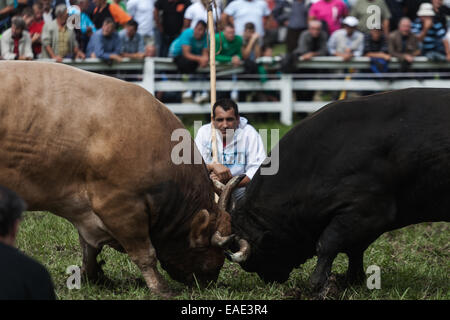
(327, 249)
(355, 271)
(347, 232)
(91, 269)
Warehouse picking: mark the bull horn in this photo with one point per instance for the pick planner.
(219, 241)
(242, 254)
(218, 186)
(225, 196)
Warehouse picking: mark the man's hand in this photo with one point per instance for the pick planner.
(58, 58)
(203, 61)
(307, 56)
(116, 57)
(219, 172)
(236, 61)
(80, 55)
(408, 58)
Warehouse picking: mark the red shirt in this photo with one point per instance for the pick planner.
(36, 27)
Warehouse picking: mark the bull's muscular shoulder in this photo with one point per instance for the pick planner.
(101, 120)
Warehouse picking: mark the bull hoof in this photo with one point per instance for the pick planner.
(329, 290)
(164, 293)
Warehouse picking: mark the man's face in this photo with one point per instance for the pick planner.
(375, 34)
(62, 19)
(16, 32)
(314, 30)
(224, 120)
(28, 20)
(248, 33)
(37, 13)
(108, 29)
(350, 30)
(405, 27)
(46, 4)
(199, 31)
(131, 31)
(229, 33)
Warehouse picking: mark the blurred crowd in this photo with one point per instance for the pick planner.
(245, 30)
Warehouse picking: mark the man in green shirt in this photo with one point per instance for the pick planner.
(230, 46)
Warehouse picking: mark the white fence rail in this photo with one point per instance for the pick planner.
(284, 84)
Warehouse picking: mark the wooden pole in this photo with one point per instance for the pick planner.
(212, 73)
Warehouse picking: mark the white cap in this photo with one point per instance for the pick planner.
(426, 10)
(350, 21)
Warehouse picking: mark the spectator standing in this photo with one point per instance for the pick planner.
(47, 13)
(87, 27)
(239, 12)
(330, 12)
(441, 11)
(121, 3)
(105, 43)
(142, 13)
(347, 42)
(16, 41)
(430, 32)
(105, 10)
(132, 42)
(35, 29)
(6, 10)
(21, 277)
(376, 48)
(296, 21)
(58, 40)
(197, 11)
(312, 42)
(403, 45)
(169, 18)
(372, 14)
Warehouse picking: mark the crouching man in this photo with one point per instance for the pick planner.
(240, 147)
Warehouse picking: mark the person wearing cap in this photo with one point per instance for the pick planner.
(430, 32)
(347, 42)
(21, 278)
(329, 12)
(362, 11)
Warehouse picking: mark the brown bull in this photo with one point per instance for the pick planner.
(97, 151)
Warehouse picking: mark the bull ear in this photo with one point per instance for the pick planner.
(198, 236)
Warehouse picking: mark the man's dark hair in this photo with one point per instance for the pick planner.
(226, 104)
(132, 23)
(109, 20)
(249, 26)
(27, 12)
(203, 23)
(18, 22)
(11, 208)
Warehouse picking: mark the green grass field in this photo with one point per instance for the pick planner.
(414, 262)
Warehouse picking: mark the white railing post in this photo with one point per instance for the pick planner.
(148, 80)
(286, 100)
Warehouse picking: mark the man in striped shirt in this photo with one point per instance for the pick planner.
(431, 32)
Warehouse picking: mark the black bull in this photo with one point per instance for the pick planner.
(350, 172)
